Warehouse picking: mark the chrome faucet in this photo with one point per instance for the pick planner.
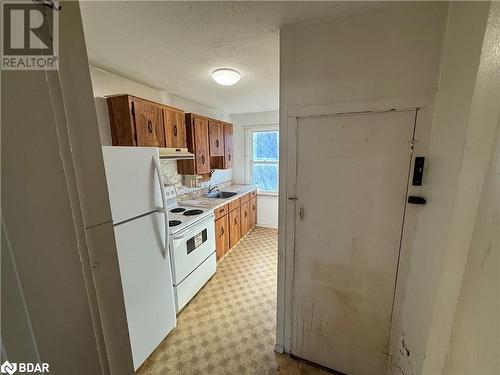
(212, 188)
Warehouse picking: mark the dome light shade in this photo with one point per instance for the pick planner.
(226, 76)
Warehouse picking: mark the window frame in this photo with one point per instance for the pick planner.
(249, 131)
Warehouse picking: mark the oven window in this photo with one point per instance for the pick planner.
(196, 240)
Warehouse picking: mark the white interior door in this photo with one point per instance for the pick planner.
(352, 173)
(147, 283)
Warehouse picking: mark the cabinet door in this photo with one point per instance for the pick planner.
(221, 236)
(253, 212)
(228, 146)
(175, 128)
(148, 126)
(245, 218)
(235, 230)
(216, 137)
(201, 145)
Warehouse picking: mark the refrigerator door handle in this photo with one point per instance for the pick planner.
(164, 209)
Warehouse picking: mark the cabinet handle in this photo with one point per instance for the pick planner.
(217, 143)
(253, 207)
(175, 130)
(229, 157)
(222, 231)
(221, 210)
(235, 221)
(203, 159)
(150, 126)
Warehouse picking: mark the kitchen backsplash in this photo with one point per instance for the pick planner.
(220, 177)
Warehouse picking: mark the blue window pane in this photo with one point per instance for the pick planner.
(265, 176)
(265, 146)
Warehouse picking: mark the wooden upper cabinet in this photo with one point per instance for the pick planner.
(228, 146)
(139, 122)
(148, 124)
(216, 138)
(201, 147)
(197, 143)
(175, 128)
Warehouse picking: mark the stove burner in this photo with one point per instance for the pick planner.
(177, 209)
(173, 223)
(193, 212)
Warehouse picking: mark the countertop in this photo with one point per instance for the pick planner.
(213, 203)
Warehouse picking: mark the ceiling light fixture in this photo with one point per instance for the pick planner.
(226, 76)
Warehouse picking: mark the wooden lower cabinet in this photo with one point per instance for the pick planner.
(253, 212)
(245, 218)
(235, 228)
(221, 236)
(231, 227)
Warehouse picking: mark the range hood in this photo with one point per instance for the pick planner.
(175, 153)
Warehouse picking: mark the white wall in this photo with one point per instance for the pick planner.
(461, 58)
(475, 343)
(190, 106)
(267, 211)
(35, 215)
(106, 83)
(45, 211)
(385, 53)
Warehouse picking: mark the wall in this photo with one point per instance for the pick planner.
(106, 83)
(36, 209)
(445, 223)
(190, 106)
(475, 342)
(267, 213)
(386, 53)
(43, 216)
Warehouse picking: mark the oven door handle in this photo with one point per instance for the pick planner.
(164, 209)
(199, 227)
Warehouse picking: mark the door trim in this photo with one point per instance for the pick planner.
(373, 105)
(288, 163)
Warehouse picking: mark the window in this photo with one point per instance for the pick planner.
(264, 157)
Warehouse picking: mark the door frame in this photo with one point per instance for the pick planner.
(287, 187)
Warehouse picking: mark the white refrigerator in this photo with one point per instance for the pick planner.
(139, 214)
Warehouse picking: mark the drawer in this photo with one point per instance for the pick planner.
(253, 194)
(245, 198)
(221, 211)
(234, 204)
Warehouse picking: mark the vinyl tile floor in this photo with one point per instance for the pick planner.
(229, 326)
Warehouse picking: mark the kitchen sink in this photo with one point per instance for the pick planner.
(221, 194)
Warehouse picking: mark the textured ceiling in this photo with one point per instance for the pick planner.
(174, 46)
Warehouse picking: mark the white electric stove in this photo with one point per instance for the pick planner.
(192, 247)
